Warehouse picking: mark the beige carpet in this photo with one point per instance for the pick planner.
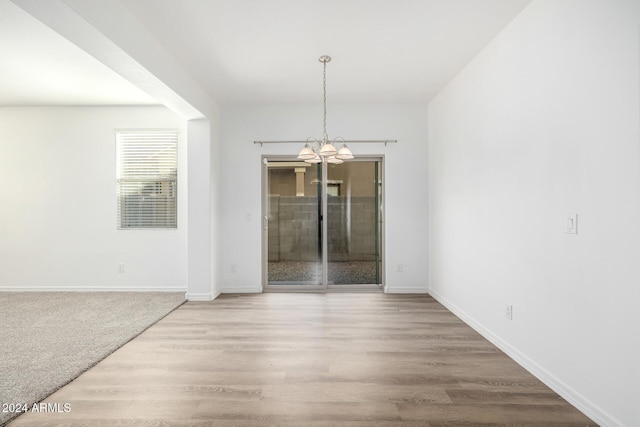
(49, 338)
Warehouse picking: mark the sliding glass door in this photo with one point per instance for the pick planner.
(322, 225)
(292, 222)
(354, 225)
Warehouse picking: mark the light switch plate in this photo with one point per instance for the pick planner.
(571, 223)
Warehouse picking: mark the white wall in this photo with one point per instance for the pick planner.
(545, 122)
(216, 185)
(58, 225)
(200, 250)
(203, 236)
(405, 178)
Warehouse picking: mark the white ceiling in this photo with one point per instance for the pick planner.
(39, 67)
(258, 51)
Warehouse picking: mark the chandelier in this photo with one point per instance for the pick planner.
(322, 150)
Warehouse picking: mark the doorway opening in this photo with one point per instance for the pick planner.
(322, 225)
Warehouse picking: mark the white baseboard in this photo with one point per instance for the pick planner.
(200, 297)
(396, 290)
(209, 296)
(565, 391)
(87, 289)
(242, 290)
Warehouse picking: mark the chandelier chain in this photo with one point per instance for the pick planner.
(325, 137)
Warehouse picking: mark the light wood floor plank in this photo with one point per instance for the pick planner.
(308, 359)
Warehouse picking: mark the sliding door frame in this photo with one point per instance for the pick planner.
(323, 286)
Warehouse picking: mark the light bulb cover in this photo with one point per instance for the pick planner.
(306, 153)
(344, 153)
(334, 160)
(327, 150)
(314, 159)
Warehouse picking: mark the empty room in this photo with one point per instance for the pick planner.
(324, 213)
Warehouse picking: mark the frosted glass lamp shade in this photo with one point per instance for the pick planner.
(314, 159)
(344, 153)
(306, 153)
(327, 150)
(334, 160)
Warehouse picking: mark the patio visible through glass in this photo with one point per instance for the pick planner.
(353, 218)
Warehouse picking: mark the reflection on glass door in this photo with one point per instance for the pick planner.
(354, 224)
(296, 237)
(293, 224)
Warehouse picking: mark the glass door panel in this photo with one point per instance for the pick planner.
(354, 224)
(293, 226)
(301, 251)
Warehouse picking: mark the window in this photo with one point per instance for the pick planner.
(147, 178)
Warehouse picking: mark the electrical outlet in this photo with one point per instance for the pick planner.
(508, 311)
(121, 268)
(234, 268)
(400, 268)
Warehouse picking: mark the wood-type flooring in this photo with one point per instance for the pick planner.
(307, 360)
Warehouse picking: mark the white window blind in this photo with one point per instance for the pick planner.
(147, 166)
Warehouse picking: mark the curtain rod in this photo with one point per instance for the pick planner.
(345, 141)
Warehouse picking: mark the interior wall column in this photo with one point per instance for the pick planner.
(199, 253)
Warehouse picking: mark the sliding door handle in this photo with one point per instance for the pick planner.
(265, 222)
